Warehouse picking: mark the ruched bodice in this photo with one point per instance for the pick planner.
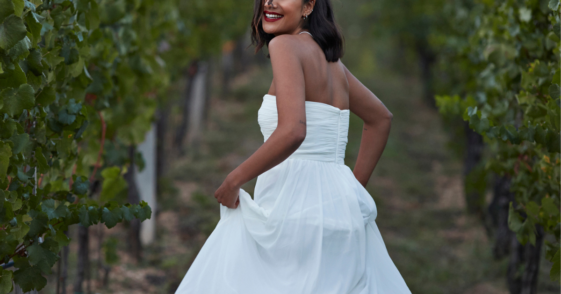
(327, 129)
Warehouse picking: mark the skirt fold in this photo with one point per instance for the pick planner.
(309, 229)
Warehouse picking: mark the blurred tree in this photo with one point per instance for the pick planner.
(409, 24)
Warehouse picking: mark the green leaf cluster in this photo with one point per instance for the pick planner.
(79, 83)
(507, 81)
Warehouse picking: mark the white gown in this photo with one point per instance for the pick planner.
(309, 230)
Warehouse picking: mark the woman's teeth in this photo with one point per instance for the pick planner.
(274, 16)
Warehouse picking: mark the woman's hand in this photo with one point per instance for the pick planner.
(228, 194)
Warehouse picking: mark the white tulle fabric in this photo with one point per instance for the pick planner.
(310, 228)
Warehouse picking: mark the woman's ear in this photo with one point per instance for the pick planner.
(309, 7)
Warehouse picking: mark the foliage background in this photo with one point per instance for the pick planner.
(83, 78)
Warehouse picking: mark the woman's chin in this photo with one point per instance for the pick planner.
(268, 30)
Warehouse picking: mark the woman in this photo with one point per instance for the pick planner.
(311, 228)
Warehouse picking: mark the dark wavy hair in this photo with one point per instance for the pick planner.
(320, 23)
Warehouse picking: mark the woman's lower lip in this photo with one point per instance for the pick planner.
(271, 19)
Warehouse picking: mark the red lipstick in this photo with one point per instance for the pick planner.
(275, 16)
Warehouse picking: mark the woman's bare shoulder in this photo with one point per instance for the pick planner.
(286, 45)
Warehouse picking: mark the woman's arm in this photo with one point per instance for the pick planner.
(288, 79)
(375, 132)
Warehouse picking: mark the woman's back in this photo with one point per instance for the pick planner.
(326, 82)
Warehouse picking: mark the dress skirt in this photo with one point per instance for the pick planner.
(310, 229)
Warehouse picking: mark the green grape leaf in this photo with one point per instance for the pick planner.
(42, 165)
(533, 208)
(20, 49)
(6, 210)
(84, 216)
(553, 139)
(61, 238)
(41, 257)
(22, 176)
(65, 118)
(479, 125)
(82, 129)
(30, 278)
(93, 213)
(15, 101)
(509, 133)
(73, 107)
(63, 146)
(5, 154)
(541, 70)
(128, 215)
(52, 58)
(21, 141)
(553, 5)
(18, 7)
(13, 78)
(554, 118)
(60, 16)
(92, 16)
(14, 222)
(6, 8)
(38, 225)
(557, 31)
(48, 207)
(61, 211)
(514, 219)
(471, 111)
(47, 96)
(80, 185)
(492, 132)
(113, 12)
(525, 14)
(34, 62)
(35, 81)
(536, 110)
(111, 217)
(16, 204)
(54, 125)
(144, 212)
(134, 208)
(557, 76)
(539, 136)
(525, 98)
(554, 91)
(6, 285)
(82, 5)
(549, 207)
(12, 30)
(20, 232)
(113, 183)
(77, 68)
(71, 55)
(34, 27)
